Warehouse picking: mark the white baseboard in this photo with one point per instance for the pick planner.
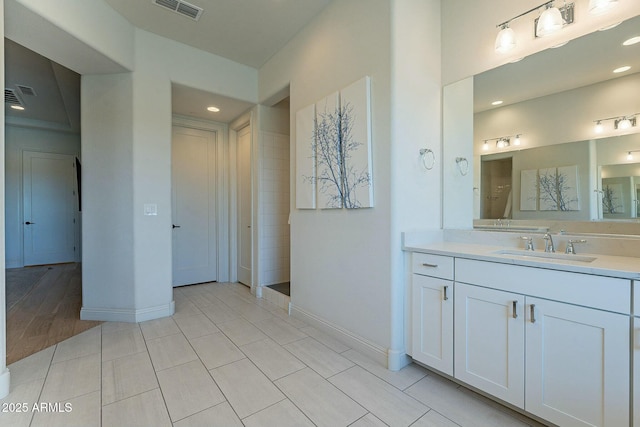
(128, 315)
(364, 346)
(4, 383)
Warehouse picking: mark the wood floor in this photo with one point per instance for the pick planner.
(43, 308)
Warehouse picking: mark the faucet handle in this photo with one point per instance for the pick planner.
(570, 248)
(529, 242)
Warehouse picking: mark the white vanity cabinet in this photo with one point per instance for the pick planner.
(577, 364)
(432, 311)
(554, 343)
(489, 340)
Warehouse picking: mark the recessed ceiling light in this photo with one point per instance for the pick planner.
(632, 40)
(17, 107)
(497, 102)
(559, 45)
(622, 69)
(516, 60)
(213, 109)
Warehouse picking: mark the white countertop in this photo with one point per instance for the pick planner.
(603, 265)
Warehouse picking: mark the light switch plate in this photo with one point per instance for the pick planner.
(151, 209)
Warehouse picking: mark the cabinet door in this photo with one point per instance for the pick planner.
(577, 364)
(433, 322)
(489, 339)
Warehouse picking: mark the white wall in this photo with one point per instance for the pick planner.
(17, 140)
(340, 268)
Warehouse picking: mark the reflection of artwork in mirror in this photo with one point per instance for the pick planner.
(529, 190)
(612, 200)
(568, 188)
(547, 183)
(559, 189)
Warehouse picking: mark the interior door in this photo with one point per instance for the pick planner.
(244, 206)
(49, 206)
(193, 206)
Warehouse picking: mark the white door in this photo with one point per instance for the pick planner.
(49, 206)
(244, 206)
(193, 206)
(432, 342)
(577, 364)
(489, 340)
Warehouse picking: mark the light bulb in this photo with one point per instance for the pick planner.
(506, 39)
(599, 128)
(485, 146)
(597, 7)
(629, 156)
(500, 143)
(549, 22)
(517, 140)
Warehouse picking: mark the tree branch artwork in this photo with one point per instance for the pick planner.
(338, 178)
(558, 189)
(610, 200)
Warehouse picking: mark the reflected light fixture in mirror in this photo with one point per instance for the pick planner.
(598, 128)
(597, 7)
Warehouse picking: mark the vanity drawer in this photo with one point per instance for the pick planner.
(432, 265)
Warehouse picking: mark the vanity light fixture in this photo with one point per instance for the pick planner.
(630, 154)
(597, 7)
(599, 128)
(517, 140)
(551, 19)
(625, 123)
(619, 122)
(503, 142)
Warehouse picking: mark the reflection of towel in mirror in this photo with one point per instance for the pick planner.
(507, 208)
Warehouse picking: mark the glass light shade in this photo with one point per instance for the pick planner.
(549, 22)
(517, 140)
(600, 6)
(485, 146)
(599, 128)
(629, 156)
(624, 124)
(506, 40)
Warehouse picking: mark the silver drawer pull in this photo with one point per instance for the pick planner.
(515, 309)
(424, 264)
(446, 297)
(533, 313)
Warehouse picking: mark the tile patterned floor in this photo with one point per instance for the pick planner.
(226, 359)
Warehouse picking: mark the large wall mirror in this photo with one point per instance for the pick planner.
(557, 134)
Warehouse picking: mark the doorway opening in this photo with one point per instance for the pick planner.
(495, 191)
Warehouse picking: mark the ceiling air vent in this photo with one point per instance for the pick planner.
(11, 97)
(26, 90)
(181, 7)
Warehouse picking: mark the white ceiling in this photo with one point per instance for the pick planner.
(582, 62)
(245, 31)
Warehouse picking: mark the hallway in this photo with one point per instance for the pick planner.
(227, 359)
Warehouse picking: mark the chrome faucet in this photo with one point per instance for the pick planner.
(528, 246)
(570, 249)
(548, 243)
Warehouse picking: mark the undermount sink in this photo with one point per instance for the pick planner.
(547, 256)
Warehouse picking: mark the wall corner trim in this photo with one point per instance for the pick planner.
(128, 315)
(4, 383)
(364, 346)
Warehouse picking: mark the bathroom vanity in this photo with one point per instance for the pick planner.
(549, 333)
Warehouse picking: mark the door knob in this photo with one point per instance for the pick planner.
(29, 223)
(175, 226)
